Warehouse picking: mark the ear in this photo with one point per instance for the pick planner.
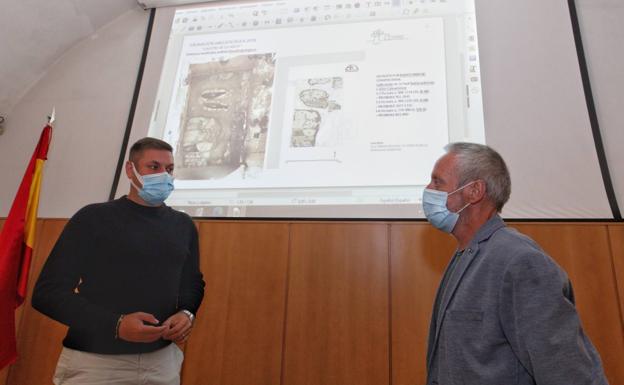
(129, 171)
(476, 191)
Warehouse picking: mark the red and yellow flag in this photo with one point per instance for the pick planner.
(16, 246)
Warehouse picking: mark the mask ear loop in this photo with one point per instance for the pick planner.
(462, 209)
(138, 176)
(462, 187)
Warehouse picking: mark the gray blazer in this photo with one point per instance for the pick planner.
(508, 318)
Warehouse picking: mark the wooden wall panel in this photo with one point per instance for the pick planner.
(419, 254)
(583, 251)
(616, 238)
(237, 338)
(39, 338)
(357, 299)
(337, 325)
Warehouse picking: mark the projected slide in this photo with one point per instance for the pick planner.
(292, 111)
(223, 124)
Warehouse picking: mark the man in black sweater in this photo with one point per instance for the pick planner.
(124, 276)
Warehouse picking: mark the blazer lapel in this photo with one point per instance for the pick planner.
(462, 266)
(434, 316)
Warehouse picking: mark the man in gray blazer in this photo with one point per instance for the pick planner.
(504, 313)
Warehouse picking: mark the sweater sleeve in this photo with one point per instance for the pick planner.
(192, 283)
(56, 294)
(541, 323)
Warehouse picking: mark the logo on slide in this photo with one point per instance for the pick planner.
(379, 36)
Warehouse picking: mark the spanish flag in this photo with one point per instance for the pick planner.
(16, 246)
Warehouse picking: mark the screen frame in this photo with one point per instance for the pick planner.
(589, 102)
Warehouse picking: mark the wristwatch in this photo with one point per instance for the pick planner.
(189, 314)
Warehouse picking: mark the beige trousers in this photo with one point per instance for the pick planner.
(161, 367)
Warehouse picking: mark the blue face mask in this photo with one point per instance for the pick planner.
(156, 187)
(434, 206)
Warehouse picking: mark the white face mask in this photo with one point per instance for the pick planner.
(434, 205)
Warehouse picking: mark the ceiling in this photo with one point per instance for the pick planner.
(36, 33)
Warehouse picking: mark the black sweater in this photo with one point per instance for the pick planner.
(116, 258)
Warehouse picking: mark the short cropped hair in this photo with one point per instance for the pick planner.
(478, 161)
(147, 143)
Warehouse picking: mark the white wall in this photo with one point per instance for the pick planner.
(91, 87)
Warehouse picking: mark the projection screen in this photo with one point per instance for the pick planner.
(339, 109)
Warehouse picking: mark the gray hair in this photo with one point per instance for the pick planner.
(478, 161)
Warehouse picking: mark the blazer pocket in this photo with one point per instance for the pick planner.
(465, 315)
